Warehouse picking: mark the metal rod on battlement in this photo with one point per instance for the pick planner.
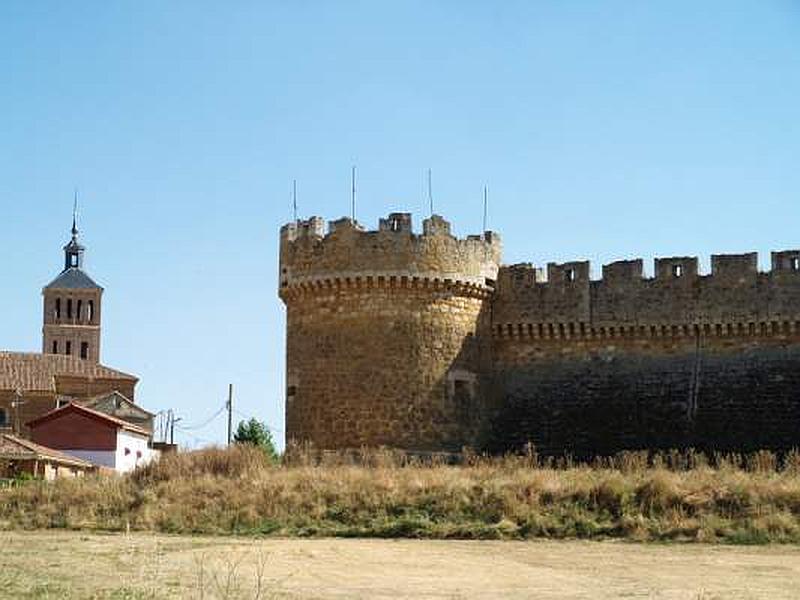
(294, 199)
(353, 195)
(485, 206)
(430, 191)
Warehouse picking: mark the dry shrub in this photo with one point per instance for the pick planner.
(239, 460)
(670, 495)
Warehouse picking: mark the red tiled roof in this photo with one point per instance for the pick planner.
(28, 371)
(97, 415)
(14, 448)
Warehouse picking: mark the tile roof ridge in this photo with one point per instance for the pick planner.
(120, 423)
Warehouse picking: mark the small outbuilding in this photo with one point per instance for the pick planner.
(19, 457)
(93, 436)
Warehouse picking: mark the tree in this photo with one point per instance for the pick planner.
(258, 434)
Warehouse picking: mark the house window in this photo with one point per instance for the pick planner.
(569, 274)
(90, 311)
(55, 346)
(69, 348)
(58, 308)
(3, 417)
(796, 263)
(69, 308)
(80, 307)
(84, 349)
(677, 270)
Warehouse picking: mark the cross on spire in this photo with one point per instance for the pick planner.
(75, 215)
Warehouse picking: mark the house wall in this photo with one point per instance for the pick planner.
(74, 431)
(104, 458)
(132, 451)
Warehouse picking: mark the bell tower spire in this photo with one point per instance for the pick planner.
(72, 305)
(73, 251)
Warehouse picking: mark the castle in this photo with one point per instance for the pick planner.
(426, 342)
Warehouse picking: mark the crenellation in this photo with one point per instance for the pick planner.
(676, 269)
(787, 261)
(735, 266)
(622, 271)
(569, 272)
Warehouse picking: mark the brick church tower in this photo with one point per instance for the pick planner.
(72, 308)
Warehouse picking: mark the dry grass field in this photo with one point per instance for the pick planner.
(71, 565)
(636, 496)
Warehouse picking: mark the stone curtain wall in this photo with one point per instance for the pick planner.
(627, 362)
(599, 397)
(387, 333)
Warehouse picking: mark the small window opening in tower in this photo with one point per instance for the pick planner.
(58, 308)
(69, 308)
(80, 310)
(677, 270)
(3, 418)
(84, 349)
(569, 274)
(796, 263)
(462, 392)
(291, 391)
(73, 260)
(69, 349)
(90, 313)
(55, 346)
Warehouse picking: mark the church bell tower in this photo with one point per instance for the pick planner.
(72, 307)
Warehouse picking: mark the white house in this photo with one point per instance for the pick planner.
(93, 436)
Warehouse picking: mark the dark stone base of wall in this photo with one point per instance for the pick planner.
(600, 400)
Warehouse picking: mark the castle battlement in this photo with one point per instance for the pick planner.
(673, 269)
(344, 253)
(735, 293)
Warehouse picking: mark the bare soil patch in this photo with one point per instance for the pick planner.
(60, 564)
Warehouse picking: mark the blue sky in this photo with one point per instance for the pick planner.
(604, 130)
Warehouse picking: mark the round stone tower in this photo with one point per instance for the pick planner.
(387, 333)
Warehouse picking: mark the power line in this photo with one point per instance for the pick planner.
(209, 420)
(245, 416)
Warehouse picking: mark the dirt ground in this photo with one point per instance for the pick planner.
(79, 565)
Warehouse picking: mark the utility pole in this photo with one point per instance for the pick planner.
(230, 412)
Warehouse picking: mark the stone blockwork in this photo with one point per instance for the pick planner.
(387, 333)
(630, 362)
(420, 342)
